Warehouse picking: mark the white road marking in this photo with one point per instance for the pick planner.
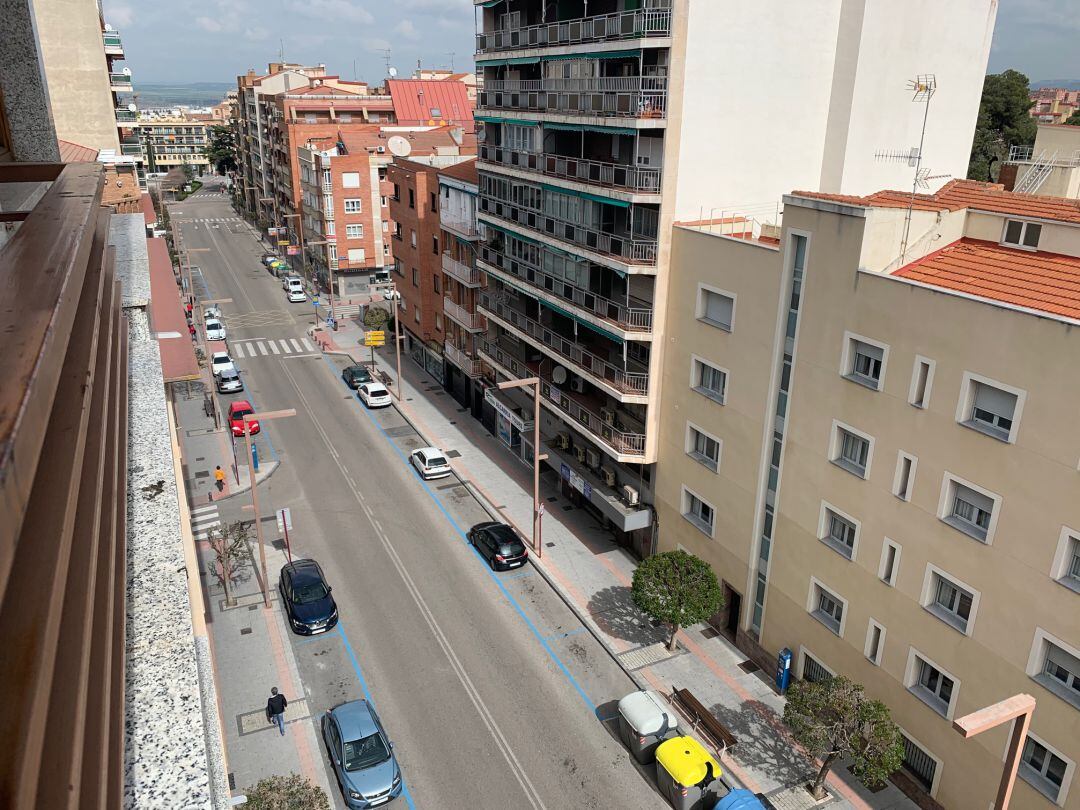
(273, 347)
(295, 344)
(285, 346)
(238, 350)
(203, 509)
(307, 344)
(261, 347)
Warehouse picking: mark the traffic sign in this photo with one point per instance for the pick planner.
(379, 334)
(374, 342)
(283, 242)
(284, 519)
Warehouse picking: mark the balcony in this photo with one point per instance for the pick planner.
(1026, 154)
(624, 380)
(604, 97)
(636, 24)
(133, 147)
(633, 315)
(470, 321)
(465, 228)
(469, 276)
(113, 45)
(126, 116)
(120, 82)
(469, 365)
(635, 179)
(624, 441)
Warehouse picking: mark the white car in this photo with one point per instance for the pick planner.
(212, 313)
(215, 330)
(430, 462)
(291, 281)
(296, 295)
(220, 361)
(374, 395)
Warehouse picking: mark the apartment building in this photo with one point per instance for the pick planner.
(868, 430)
(1054, 105)
(602, 123)
(171, 143)
(1050, 167)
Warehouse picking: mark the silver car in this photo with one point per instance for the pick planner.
(229, 382)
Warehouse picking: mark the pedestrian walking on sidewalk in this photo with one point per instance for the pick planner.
(275, 709)
(219, 478)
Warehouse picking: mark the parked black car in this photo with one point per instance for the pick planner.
(499, 545)
(355, 376)
(306, 596)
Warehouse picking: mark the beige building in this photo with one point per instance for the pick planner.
(877, 450)
(1050, 167)
(170, 143)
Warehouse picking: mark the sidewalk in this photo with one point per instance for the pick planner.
(593, 575)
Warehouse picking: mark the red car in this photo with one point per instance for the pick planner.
(237, 411)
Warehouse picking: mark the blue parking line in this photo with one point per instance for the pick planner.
(367, 696)
(497, 580)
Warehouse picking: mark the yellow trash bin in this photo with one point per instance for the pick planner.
(684, 770)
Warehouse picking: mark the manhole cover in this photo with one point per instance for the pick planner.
(202, 474)
(399, 432)
(748, 665)
(453, 454)
(245, 631)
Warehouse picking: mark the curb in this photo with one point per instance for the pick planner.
(258, 480)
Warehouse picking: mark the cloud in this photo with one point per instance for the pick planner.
(337, 11)
(256, 33)
(440, 6)
(120, 14)
(407, 30)
(208, 24)
(376, 44)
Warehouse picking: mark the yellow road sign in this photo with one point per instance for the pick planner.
(374, 342)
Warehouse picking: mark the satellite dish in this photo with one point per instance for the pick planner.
(108, 27)
(126, 71)
(392, 71)
(133, 107)
(399, 146)
(558, 375)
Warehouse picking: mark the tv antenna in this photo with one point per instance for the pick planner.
(386, 58)
(452, 54)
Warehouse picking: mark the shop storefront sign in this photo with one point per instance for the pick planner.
(504, 410)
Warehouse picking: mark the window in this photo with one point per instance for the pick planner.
(838, 531)
(415, 277)
(931, 685)
(383, 201)
(310, 118)
(826, 607)
(438, 321)
(435, 283)
(864, 361)
(385, 249)
(904, 481)
(354, 231)
(715, 308)
(709, 380)
(353, 206)
(950, 600)
(434, 202)
(989, 408)
(397, 192)
(412, 238)
(345, 118)
(920, 764)
(921, 380)
(875, 643)
(1021, 234)
(1066, 569)
(436, 112)
(1056, 665)
(357, 255)
(813, 671)
(350, 179)
(702, 447)
(435, 245)
(1042, 769)
(331, 227)
(416, 314)
(968, 510)
(851, 450)
(385, 225)
(699, 513)
(412, 199)
(890, 562)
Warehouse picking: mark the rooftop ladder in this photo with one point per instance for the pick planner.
(1034, 177)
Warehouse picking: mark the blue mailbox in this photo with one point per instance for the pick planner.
(783, 670)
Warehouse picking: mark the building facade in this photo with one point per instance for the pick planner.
(1050, 167)
(594, 142)
(173, 143)
(866, 435)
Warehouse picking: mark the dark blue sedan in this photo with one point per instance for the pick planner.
(308, 603)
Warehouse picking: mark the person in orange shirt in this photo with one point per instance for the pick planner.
(219, 478)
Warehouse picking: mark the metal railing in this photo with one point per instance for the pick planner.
(130, 148)
(614, 96)
(595, 172)
(629, 382)
(463, 227)
(469, 276)
(123, 114)
(472, 321)
(643, 22)
(111, 41)
(470, 365)
(631, 318)
(1026, 154)
(117, 79)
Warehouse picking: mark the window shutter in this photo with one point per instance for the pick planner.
(718, 308)
(876, 352)
(995, 400)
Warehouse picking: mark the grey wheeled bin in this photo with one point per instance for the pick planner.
(645, 721)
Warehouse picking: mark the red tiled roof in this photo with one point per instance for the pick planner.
(167, 315)
(76, 153)
(422, 142)
(1048, 282)
(414, 99)
(464, 171)
(147, 206)
(958, 194)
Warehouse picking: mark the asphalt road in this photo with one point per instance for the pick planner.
(493, 692)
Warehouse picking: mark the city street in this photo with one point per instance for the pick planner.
(492, 691)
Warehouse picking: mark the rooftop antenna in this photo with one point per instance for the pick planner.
(386, 58)
(281, 51)
(452, 54)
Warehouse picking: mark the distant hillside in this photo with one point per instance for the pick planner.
(196, 94)
(1067, 84)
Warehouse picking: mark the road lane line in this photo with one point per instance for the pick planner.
(296, 344)
(261, 347)
(273, 347)
(307, 344)
(429, 617)
(285, 346)
(238, 351)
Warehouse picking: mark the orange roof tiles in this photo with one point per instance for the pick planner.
(1047, 282)
(418, 101)
(958, 194)
(71, 152)
(464, 171)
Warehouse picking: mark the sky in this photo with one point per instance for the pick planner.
(215, 40)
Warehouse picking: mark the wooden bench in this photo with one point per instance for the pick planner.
(702, 720)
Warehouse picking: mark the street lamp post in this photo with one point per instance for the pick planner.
(1016, 710)
(303, 254)
(260, 417)
(534, 383)
(395, 296)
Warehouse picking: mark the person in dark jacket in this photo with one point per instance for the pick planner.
(275, 709)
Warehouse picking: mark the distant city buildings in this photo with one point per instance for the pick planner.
(1054, 105)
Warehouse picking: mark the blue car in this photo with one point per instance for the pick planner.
(363, 758)
(308, 603)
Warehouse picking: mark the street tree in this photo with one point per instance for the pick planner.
(376, 318)
(221, 149)
(292, 792)
(1074, 119)
(229, 543)
(834, 719)
(677, 589)
(1004, 120)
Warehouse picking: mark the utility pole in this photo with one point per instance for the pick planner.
(260, 417)
(538, 509)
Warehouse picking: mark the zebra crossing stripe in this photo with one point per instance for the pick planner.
(307, 344)
(261, 347)
(238, 350)
(273, 347)
(203, 510)
(202, 527)
(295, 344)
(285, 346)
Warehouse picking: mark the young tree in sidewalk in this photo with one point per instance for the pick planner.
(230, 546)
(676, 588)
(292, 792)
(221, 149)
(376, 318)
(834, 719)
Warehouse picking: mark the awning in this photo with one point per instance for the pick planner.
(487, 119)
(531, 293)
(490, 3)
(586, 196)
(559, 57)
(580, 127)
(517, 60)
(508, 232)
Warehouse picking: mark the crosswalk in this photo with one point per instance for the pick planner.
(216, 219)
(264, 347)
(203, 519)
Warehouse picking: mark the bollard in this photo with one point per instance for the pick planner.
(255, 456)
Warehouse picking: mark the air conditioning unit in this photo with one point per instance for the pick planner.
(630, 495)
(607, 416)
(562, 440)
(608, 475)
(579, 454)
(592, 458)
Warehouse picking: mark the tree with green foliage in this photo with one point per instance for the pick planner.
(221, 148)
(376, 318)
(1074, 119)
(292, 792)
(1003, 121)
(677, 589)
(835, 719)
